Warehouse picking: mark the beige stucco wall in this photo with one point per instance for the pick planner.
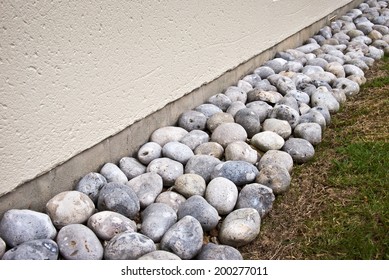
(76, 72)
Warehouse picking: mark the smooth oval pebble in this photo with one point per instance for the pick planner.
(106, 224)
(191, 120)
(91, 184)
(276, 157)
(275, 177)
(177, 151)
(148, 152)
(236, 94)
(267, 140)
(325, 99)
(113, 173)
(197, 207)
(160, 255)
(184, 238)
(309, 131)
(167, 134)
(128, 246)
(235, 107)
(313, 116)
(167, 168)
(220, 100)
(261, 108)
(40, 249)
(227, 133)
(78, 242)
(119, 198)
(249, 120)
(202, 165)
(222, 194)
(208, 109)
(210, 149)
(172, 199)
(284, 112)
(257, 196)
(240, 150)
(131, 167)
(195, 138)
(212, 251)
(281, 127)
(157, 218)
(147, 187)
(190, 184)
(18, 226)
(300, 149)
(240, 227)
(70, 207)
(239, 172)
(217, 119)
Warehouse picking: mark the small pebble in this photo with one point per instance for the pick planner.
(208, 109)
(227, 133)
(217, 119)
(276, 157)
(281, 127)
(236, 94)
(192, 120)
(202, 165)
(240, 150)
(284, 112)
(195, 138)
(235, 107)
(220, 100)
(300, 149)
(309, 131)
(263, 95)
(249, 120)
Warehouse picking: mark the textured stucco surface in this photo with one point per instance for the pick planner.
(76, 72)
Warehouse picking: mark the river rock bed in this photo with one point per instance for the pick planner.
(200, 189)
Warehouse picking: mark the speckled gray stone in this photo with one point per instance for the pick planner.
(78, 242)
(236, 94)
(208, 109)
(264, 71)
(300, 149)
(349, 87)
(240, 227)
(167, 168)
(167, 134)
(257, 196)
(351, 69)
(239, 172)
(217, 119)
(106, 224)
(128, 246)
(285, 84)
(3, 247)
(192, 120)
(172, 199)
(227, 133)
(148, 152)
(220, 100)
(267, 140)
(258, 94)
(41, 249)
(252, 79)
(18, 226)
(70, 207)
(211, 149)
(300, 96)
(131, 167)
(113, 173)
(235, 107)
(249, 120)
(157, 218)
(147, 187)
(261, 108)
(275, 177)
(222, 194)
(240, 150)
(197, 207)
(276, 157)
(119, 198)
(244, 85)
(91, 184)
(324, 111)
(190, 184)
(177, 151)
(160, 255)
(184, 238)
(309, 131)
(281, 127)
(284, 112)
(308, 48)
(290, 101)
(276, 64)
(324, 98)
(314, 116)
(195, 138)
(212, 251)
(339, 95)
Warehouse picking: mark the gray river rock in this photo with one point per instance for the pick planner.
(222, 194)
(147, 187)
(177, 151)
(91, 184)
(148, 152)
(167, 168)
(131, 167)
(40, 249)
(192, 120)
(239, 172)
(113, 173)
(190, 184)
(256, 196)
(212, 251)
(202, 165)
(300, 149)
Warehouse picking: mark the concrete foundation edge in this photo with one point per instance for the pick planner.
(34, 194)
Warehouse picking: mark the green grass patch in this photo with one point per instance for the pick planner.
(376, 82)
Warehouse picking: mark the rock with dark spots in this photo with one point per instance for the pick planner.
(261, 108)
(113, 173)
(239, 172)
(290, 101)
(184, 238)
(160, 255)
(167, 134)
(256, 196)
(245, 86)
(275, 157)
(235, 107)
(264, 71)
(220, 100)
(131, 167)
(300, 149)
(70, 207)
(236, 94)
(190, 184)
(208, 109)
(40, 249)
(177, 151)
(167, 168)
(314, 116)
(191, 120)
(240, 227)
(267, 140)
(227, 133)
(211, 149)
(222, 194)
(339, 95)
(197, 207)
(285, 84)
(106, 224)
(78, 242)
(240, 150)
(157, 218)
(172, 199)
(299, 96)
(249, 120)
(284, 112)
(324, 111)
(147, 187)
(195, 138)
(91, 184)
(275, 177)
(119, 198)
(18, 226)
(309, 131)
(128, 246)
(217, 119)
(264, 85)
(349, 87)
(212, 251)
(281, 127)
(252, 79)
(276, 64)
(148, 152)
(258, 94)
(202, 165)
(325, 98)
